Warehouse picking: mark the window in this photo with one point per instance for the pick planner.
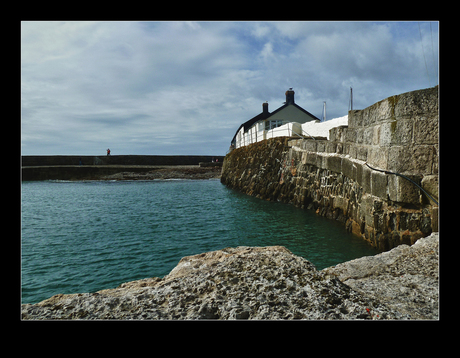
(273, 124)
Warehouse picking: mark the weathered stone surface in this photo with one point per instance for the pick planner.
(431, 185)
(403, 191)
(405, 278)
(267, 283)
(417, 103)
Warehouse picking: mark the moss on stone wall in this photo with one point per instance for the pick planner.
(276, 171)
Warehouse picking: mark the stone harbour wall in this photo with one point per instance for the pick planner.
(132, 160)
(88, 167)
(398, 134)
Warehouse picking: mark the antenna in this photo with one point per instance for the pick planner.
(323, 115)
(350, 104)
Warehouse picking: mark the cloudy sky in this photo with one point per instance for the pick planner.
(185, 87)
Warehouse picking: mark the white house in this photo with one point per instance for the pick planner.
(285, 121)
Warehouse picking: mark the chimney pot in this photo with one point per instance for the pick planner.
(290, 96)
(265, 109)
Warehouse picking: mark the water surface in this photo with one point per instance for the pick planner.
(93, 235)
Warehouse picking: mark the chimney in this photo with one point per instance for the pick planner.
(265, 109)
(290, 96)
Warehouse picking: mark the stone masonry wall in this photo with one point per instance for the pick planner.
(398, 134)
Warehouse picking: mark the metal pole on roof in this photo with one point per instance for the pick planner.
(351, 98)
(350, 102)
(323, 117)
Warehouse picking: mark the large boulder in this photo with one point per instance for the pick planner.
(406, 279)
(255, 283)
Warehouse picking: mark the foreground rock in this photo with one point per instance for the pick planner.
(405, 279)
(252, 283)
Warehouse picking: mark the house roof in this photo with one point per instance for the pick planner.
(261, 116)
(295, 105)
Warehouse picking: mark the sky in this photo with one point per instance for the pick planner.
(184, 88)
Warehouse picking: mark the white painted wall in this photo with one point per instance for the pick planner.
(286, 130)
(258, 133)
(254, 135)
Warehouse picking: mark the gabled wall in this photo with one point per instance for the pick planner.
(291, 114)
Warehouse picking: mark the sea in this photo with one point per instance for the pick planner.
(85, 236)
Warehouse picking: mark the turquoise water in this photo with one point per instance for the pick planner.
(88, 236)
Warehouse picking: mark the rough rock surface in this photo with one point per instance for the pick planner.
(406, 279)
(260, 283)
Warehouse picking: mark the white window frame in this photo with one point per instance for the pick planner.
(273, 124)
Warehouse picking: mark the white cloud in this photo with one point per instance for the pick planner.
(184, 87)
(260, 30)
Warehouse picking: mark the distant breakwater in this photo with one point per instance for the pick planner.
(85, 167)
(51, 160)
